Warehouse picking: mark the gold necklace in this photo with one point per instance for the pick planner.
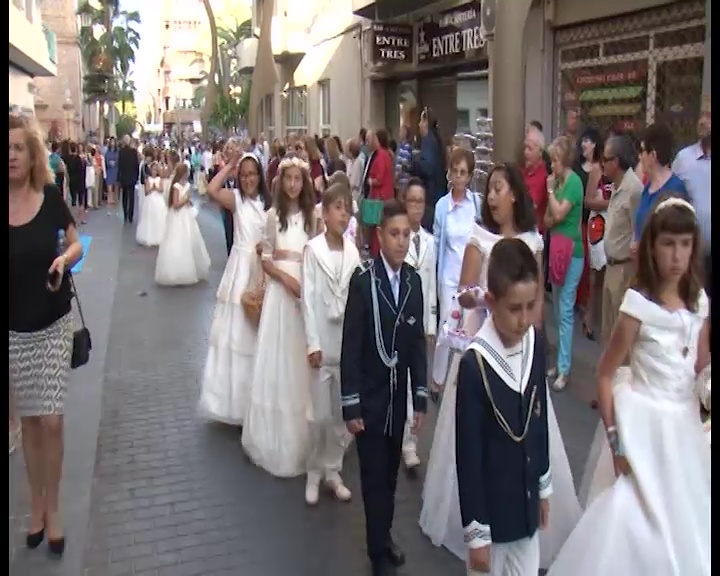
(498, 415)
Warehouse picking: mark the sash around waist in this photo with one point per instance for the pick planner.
(287, 255)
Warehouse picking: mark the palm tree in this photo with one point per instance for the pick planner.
(229, 38)
(107, 58)
(211, 89)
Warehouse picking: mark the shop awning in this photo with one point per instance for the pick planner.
(312, 66)
(333, 25)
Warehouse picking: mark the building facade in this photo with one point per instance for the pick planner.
(622, 65)
(58, 99)
(308, 74)
(182, 62)
(32, 54)
(333, 66)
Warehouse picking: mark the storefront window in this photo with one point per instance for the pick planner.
(638, 77)
(472, 102)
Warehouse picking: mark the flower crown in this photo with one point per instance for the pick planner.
(295, 161)
(674, 201)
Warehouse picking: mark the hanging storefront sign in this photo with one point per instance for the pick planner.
(392, 43)
(453, 36)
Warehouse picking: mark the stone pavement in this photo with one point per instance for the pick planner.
(166, 494)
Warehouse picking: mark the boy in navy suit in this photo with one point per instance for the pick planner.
(383, 340)
(502, 452)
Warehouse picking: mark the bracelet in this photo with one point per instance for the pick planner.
(614, 441)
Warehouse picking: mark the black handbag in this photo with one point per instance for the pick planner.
(82, 342)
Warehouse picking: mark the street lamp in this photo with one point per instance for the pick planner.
(85, 20)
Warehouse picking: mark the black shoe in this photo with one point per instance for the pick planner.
(382, 568)
(56, 547)
(394, 554)
(34, 539)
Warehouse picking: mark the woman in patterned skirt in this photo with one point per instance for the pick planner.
(44, 245)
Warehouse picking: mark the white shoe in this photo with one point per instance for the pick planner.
(312, 489)
(560, 383)
(338, 488)
(411, 459)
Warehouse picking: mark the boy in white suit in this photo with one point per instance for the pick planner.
(421, 256)
(329, 261)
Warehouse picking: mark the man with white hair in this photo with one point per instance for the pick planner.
(128, 174)
(535, 172)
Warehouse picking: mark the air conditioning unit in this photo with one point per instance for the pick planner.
(487, 18)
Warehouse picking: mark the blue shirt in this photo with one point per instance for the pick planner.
(693, 166)
(647, 200)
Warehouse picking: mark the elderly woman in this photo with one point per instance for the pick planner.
(563, 219)
(41, 327)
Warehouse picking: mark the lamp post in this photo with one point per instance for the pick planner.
(110, 6)
(86, 22)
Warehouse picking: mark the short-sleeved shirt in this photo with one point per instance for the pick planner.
(573, 192)
(33, 248)
(647, 200)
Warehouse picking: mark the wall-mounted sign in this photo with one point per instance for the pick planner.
(452, 36)
(392, 43)
(633, 72)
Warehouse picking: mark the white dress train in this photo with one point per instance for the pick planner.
(440, 515)
(275, 433)
(233, 338)
(182, 258)
(151, 226)
(657, 520)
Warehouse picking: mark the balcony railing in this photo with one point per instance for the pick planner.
(51, 44)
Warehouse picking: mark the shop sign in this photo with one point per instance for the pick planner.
(454, 35)
(392, 43)
(612, 77)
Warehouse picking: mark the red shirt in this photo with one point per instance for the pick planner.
(383, 175)
(536, 182)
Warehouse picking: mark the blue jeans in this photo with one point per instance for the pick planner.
(564, 309)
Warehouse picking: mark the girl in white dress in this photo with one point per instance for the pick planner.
(183, 258)
(275, 434)
(652, 512)
(507, 211)
(151, 227)
(228, 368)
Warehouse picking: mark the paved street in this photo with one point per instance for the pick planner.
(151, 490)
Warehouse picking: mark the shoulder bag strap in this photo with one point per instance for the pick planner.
(73, 289)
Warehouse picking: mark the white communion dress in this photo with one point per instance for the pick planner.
(440, 515)
(233, 338)
(657, 519)
(275, 434)
(182, 258)
(151, 227)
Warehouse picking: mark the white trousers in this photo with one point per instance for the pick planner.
(519, 558)
(328, 436)
(446, 295)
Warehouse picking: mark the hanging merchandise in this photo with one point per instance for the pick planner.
(484, 148)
